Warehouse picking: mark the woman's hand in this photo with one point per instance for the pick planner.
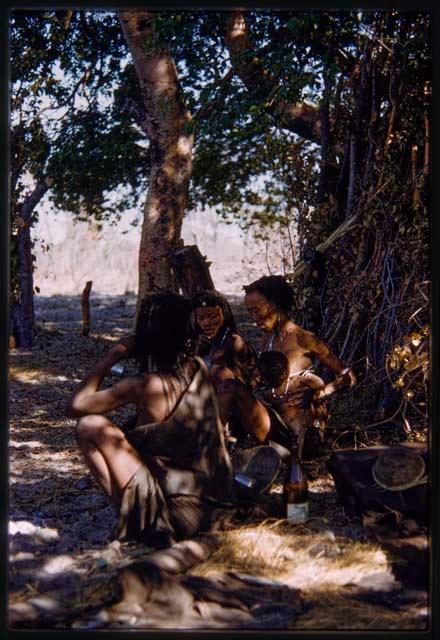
(255, 379)
(345, 380)
(204, 344)
(122, 350)
(352, 376)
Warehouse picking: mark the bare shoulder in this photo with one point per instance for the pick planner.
(294, 331)
(154, 384)
(310, 342)
(306, 339)
(151, 384)
(301, 337)
(129, 389)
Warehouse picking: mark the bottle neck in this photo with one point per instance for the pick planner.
(295, 473)
(294, 454)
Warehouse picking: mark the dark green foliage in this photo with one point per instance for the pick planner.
(77, 67)
(87, 140)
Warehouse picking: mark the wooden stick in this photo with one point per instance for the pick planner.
(85, 306)
(427, 146)
(414, 165)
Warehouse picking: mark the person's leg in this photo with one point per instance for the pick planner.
(253, 415)
(109, 456)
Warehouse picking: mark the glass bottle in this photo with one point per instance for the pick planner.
(295, 492)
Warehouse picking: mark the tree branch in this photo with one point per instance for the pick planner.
(301, 118)
(32, 200)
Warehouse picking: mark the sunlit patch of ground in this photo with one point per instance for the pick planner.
(21, 373)
(297, 556)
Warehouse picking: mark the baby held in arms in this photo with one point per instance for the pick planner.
(289, 394)
(296, 397)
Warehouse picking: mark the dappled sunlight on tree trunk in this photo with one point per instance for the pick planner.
(167, 122)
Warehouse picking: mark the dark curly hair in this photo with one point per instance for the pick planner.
(212, 298)
(276, 289)
(165, 332)
(274, 367)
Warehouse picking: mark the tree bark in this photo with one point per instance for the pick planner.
(168, 125)
(23, 312)
(301, 118)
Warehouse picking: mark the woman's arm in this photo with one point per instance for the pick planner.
(312, 381)
(345, 378)
(88, 399)
(343, 381)
(243, 355)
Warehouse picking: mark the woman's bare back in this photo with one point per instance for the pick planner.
(162, 393)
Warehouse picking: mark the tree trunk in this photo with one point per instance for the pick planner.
(168, 125)
(23, 312)
(192, 270)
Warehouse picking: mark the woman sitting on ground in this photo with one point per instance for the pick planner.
(170, 476)
(269, 301)
(225, 351)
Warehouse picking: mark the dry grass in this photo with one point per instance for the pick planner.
(296, 556)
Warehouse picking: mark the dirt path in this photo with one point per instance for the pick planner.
(63, 553)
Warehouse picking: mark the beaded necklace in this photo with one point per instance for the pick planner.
(280, 395)
(272, 337)
(224, 336)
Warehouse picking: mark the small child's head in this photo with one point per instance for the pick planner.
(274, 367)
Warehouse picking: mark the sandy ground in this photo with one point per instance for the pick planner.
(63, 553)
